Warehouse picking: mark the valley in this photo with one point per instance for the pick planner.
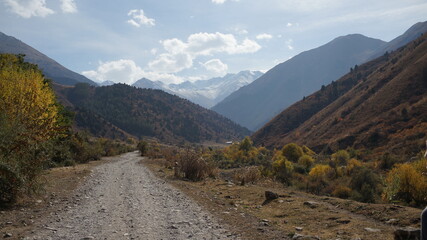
(213, 120)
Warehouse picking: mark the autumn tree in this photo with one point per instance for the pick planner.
(29, 118)
(292, 152)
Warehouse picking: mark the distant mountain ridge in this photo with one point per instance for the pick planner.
(380, 106)
(206, 93)
(50, 68)
(255, 104)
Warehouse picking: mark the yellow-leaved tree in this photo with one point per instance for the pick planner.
(28, 119)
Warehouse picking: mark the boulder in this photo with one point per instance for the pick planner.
(408, 233)
(271, 195)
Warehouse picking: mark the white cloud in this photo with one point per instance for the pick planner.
(171, 63)
(219, 1)
(308, 5)
(126, 71)
(180, 55)
(222, 1)
(68, 6)
(154, 51)
(216, 66)
(289, 24)
(138, 18)
(264, 36)
(29, 8)
(289, 44)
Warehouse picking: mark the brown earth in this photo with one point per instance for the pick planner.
(330, 218)
(20, 220)
(239, 207)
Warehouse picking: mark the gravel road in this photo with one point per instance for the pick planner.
(122, 199)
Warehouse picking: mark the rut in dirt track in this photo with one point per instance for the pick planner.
(122, 199)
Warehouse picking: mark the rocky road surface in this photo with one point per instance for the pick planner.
(122, 199)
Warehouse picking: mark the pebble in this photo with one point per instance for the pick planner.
(373, 230)
(311, 204)
(87, 238)
(299, 229)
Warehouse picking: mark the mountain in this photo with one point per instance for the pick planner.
(411, 34)
(206, 93)
(255, 104)
(106, 83)
(147, 113)
(50, 68)
(380, 106)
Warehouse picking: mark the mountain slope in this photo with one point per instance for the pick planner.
(409, 35)
(49, 67)
(255, 104)
(385, 111)
(153, 113)
(206, 93)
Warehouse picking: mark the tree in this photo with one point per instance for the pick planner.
(292, 152)
(246, 144)
(26, 97)
(28, 120)
(282, 168)
(406, 183)
(341, 157)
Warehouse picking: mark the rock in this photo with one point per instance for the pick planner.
(344, 221)
(265, 220)
(7, 235)
(87, 238)
(408, 233)
(298, 236)
(373, 230)
(311, 204)
(8, 223)
(392, 221)
(271, 195)
(299, 229)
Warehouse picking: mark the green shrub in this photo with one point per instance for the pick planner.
(366, 184)
(292, 152)
(306, 161)
(142, 147)
(10, 184)
(282, 168)
(341, 157)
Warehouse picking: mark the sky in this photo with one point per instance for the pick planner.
(187, 40)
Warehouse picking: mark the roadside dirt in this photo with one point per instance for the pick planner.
(294, 213)
(21, 220)
(122, 199)
(119, 198)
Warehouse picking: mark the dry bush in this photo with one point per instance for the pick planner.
(247, 175)
(342, 192)
(192, 166)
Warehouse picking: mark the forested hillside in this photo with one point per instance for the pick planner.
(150, 113)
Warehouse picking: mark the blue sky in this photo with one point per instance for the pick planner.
(179, 40)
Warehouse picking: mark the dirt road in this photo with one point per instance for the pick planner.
(122, 199)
